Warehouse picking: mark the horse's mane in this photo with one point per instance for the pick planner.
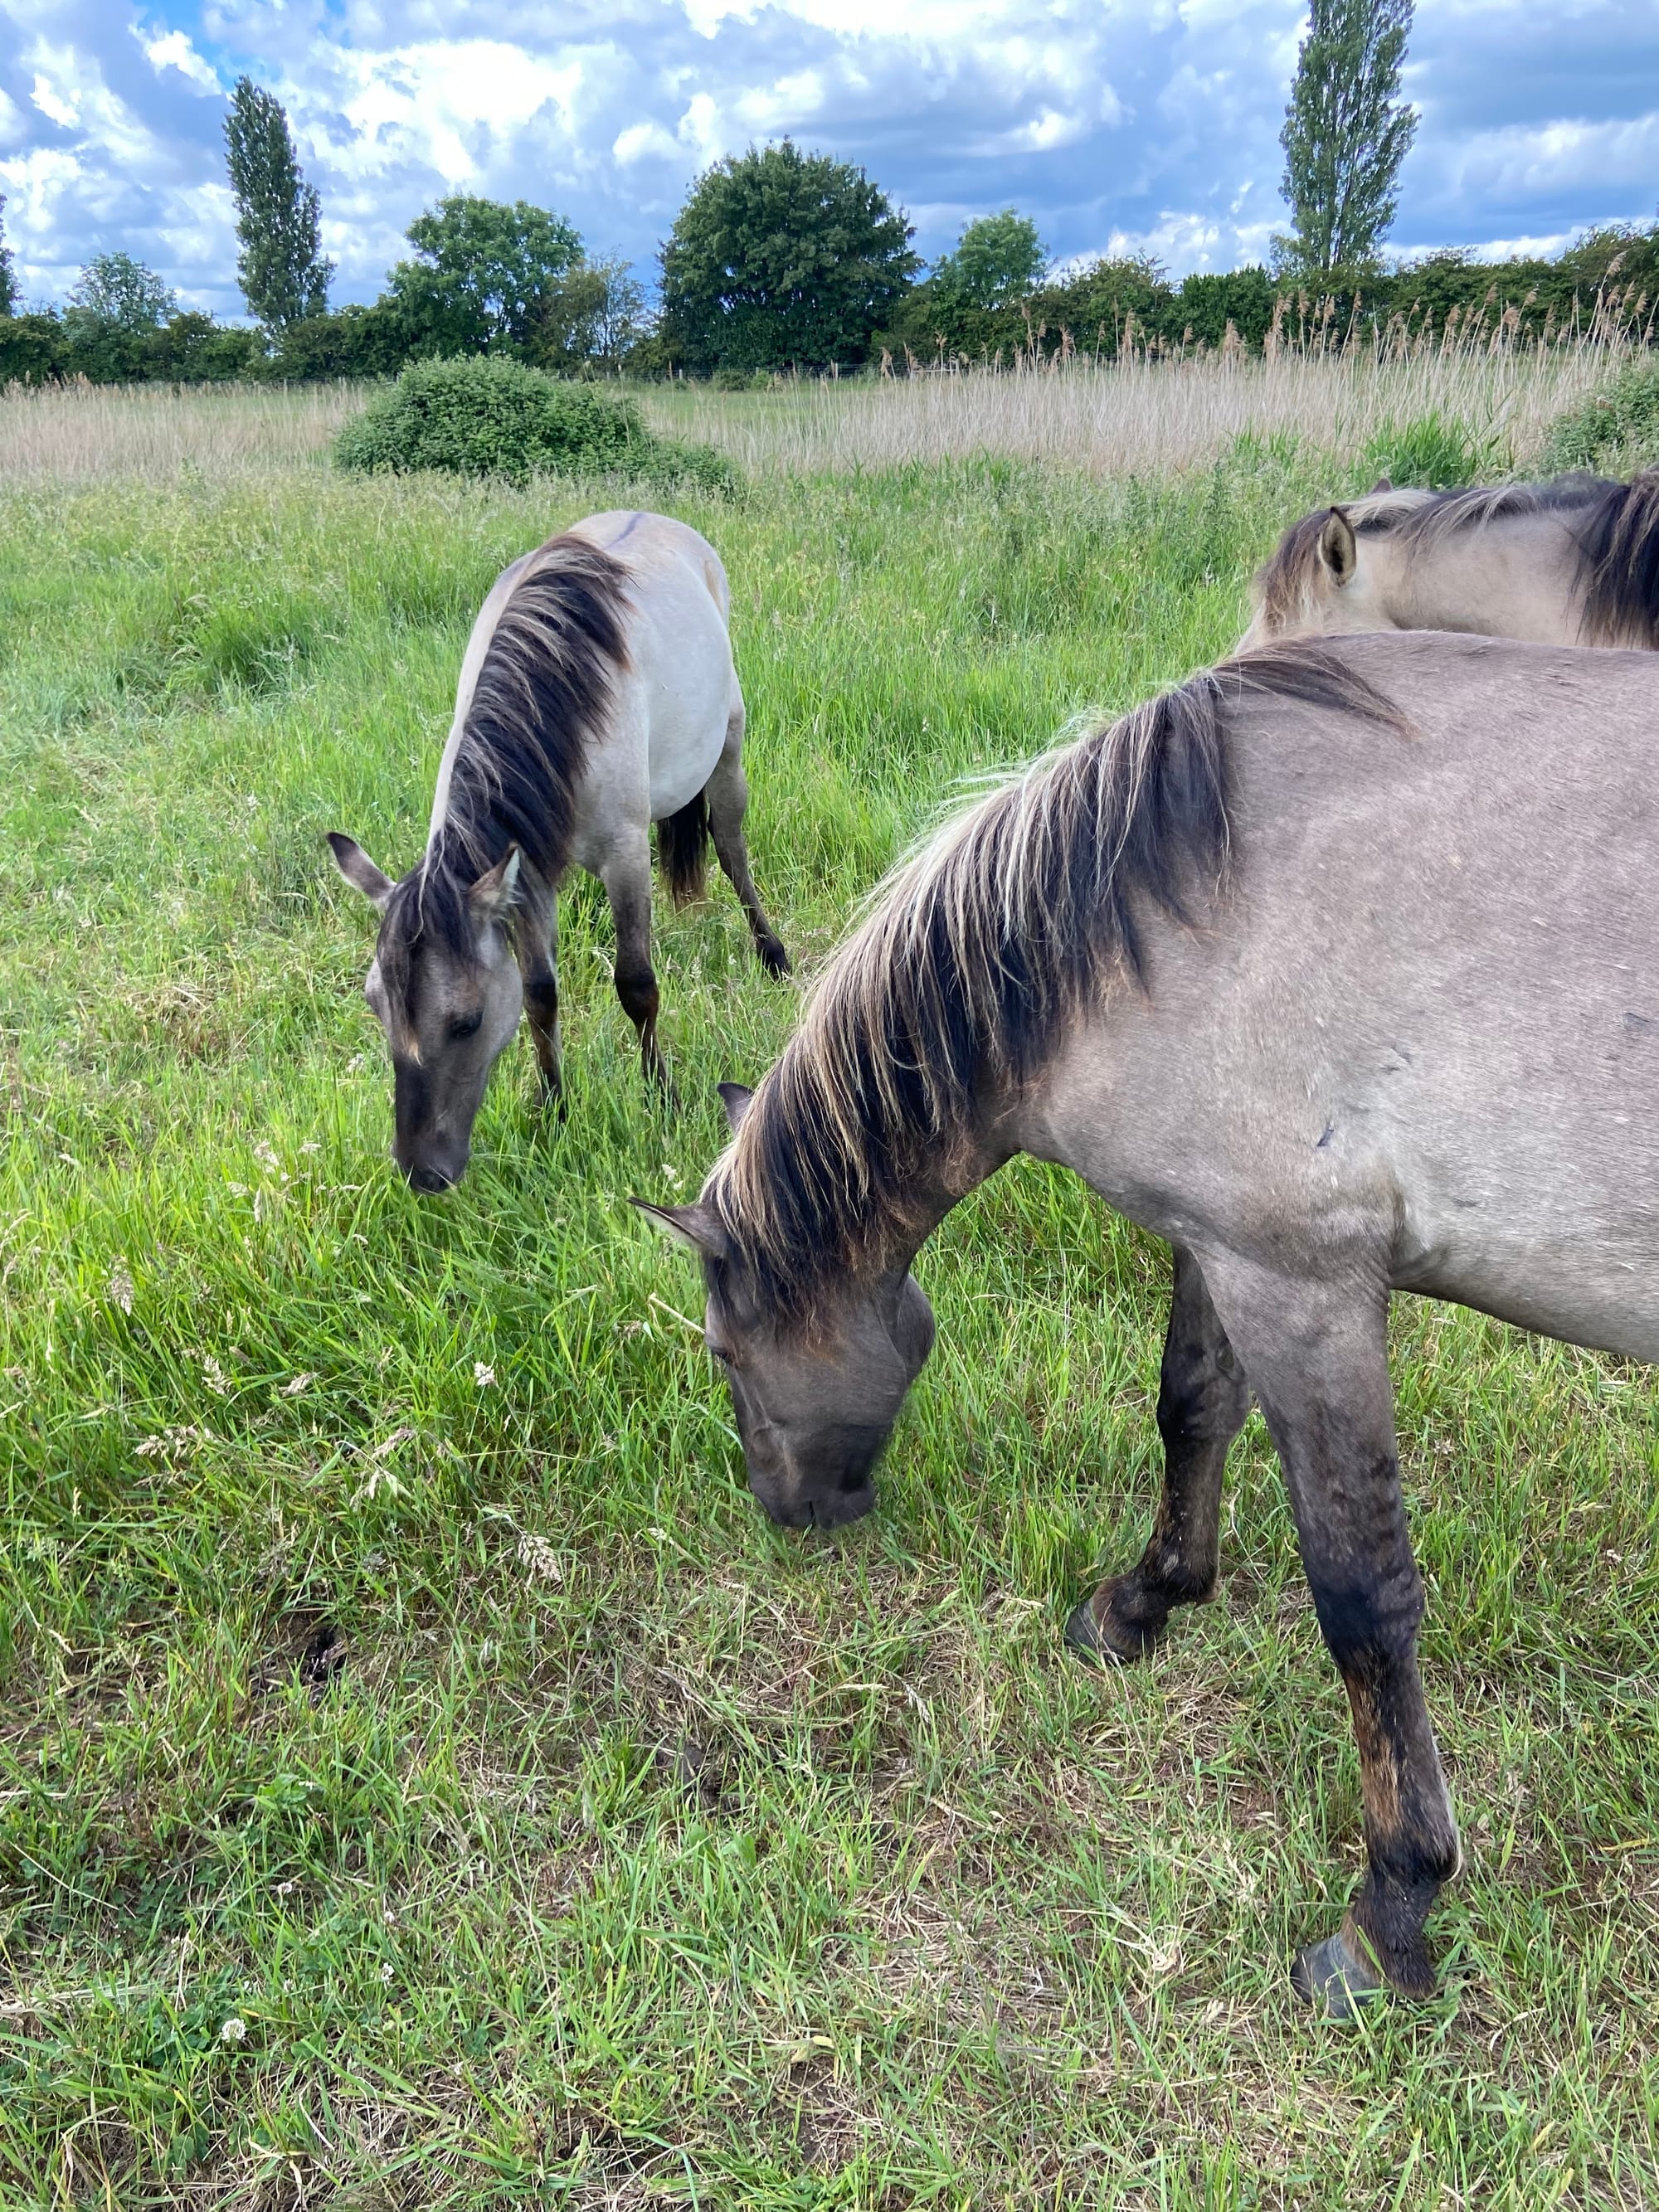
(974, 959)
(1615, 527)
(543, 689)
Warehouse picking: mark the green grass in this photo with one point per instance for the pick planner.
(619, 1848)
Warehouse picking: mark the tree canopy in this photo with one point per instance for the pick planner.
(120, 294)
(280, 266)
(998, 258)
(1344, 136)
(779, 259)
(484, 275)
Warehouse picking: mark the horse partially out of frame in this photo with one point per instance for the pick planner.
(1575, 562)
(1337, 967)
(597, 697)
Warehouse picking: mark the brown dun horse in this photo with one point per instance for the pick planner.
(1337, 968)
(1575, 562)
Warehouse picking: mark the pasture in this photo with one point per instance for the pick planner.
(425, 1780)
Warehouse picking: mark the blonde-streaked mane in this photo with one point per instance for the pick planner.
(977, 957)
(1614, 529)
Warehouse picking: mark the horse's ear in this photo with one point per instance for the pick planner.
(493, 895)
(1337, 547)
(698, 1225)
(1383, 483)
(735, 1098)
(358, 869)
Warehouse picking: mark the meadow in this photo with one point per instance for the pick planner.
(425, 1780)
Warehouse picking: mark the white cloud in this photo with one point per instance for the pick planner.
(1145, 125)
(172, 50)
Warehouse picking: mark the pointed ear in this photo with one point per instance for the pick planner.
(1383, 483)
(359, 870)
(698, 1225)
(493, 895)
(735, 1098)
(1337, 547)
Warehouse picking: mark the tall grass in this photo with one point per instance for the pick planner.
(1138, 416)
(75, 432)
(425, 1778)
(1133, 417)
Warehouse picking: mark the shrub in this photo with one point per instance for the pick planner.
(1615, 429)
(492, 416)
(1436, 452)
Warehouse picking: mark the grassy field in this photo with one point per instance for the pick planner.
(426, 1780)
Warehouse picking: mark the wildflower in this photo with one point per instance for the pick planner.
(234, 2031)
(482, 1376)
(386, 1972)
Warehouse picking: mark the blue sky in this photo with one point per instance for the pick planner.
(1146, 125)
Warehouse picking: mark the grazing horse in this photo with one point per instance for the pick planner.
(597, 697)
(1575, 562)
(1337, 967)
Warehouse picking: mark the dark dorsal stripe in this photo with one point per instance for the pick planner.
(976, 961)
(542, 694)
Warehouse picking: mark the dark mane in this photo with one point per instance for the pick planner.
(1614, 526)
(981, 950)
(542, 690)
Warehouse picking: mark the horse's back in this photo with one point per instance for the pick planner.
(651, 545)
(1427, 1015)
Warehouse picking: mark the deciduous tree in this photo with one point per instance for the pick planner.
(780, 259)
(484, 274)
(998, 258)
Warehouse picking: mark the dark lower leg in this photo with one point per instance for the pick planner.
(1317, 1356)
(728, 803)
(541, 1005)
(628, 884)
(1202, 1400)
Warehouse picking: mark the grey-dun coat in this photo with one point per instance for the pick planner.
(597, 697)
(1339, 969)
(1574, 562)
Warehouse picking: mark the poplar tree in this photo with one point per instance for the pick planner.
(8, 271)
(281, 269)
(1346, 134)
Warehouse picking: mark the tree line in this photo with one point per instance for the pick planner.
(787, 261)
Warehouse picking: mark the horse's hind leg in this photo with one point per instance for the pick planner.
(1317, 1356)
(728, 802)
(626, 875)
(1202, 1400)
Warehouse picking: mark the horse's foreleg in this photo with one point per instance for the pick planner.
(538, 964)
(728, 803)
(1317, 1356)
(1202, 1400)
(627, 879)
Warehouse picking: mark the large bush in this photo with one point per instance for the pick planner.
(1615, 429)
(492, 416)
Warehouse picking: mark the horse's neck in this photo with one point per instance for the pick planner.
(1512, 579)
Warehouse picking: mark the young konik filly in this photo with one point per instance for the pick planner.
(597, 697)
(1575, 562)
(1337, 968)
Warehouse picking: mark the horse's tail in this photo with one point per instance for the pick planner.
(682, 851)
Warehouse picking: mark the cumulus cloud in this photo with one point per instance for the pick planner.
(1120, 125)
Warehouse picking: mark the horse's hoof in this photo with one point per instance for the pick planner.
(773, 958)
(1094, 1635)
(1086, 1637)
(1337, 1977)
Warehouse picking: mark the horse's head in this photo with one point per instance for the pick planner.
(814, 1406)
(1324, 576)
(445, 988)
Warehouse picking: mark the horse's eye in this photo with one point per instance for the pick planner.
(466, 1027)
(718, 1351)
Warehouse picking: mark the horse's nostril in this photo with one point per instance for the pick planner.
(429, 1179)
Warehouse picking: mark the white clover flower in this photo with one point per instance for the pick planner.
(481, 1375)
(234, 2031)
